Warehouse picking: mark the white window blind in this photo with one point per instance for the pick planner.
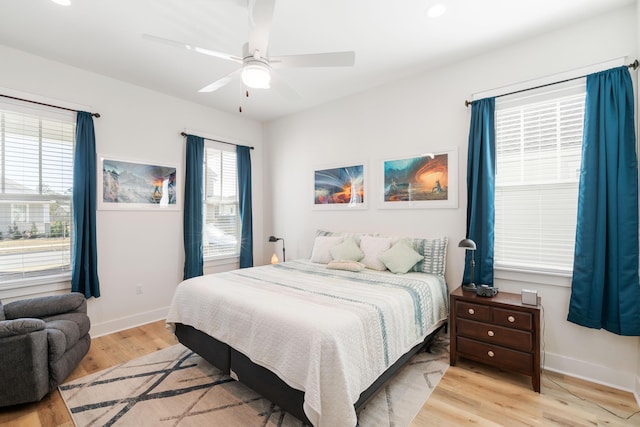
(36, 181)
(538, 152)
(222, 231)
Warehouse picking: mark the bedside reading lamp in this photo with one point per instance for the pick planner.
(274, 239)
(469, 245)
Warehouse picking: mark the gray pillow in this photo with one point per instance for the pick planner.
(435, 255)
(2, 316)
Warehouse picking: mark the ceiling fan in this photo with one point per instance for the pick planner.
(256, 64)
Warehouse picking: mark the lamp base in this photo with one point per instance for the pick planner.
(469, 287)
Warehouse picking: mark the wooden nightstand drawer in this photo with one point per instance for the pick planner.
(498, 330)
(512, 318)
(492, 334)
(496, 355)
(473, 311)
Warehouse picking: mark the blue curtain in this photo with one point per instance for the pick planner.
(193, 199)
(605, 291)
(481, 172)
(84, 269)
(243, 156)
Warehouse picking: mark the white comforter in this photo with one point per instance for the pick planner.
(330, 333)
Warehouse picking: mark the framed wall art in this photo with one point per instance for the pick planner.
(340, 187)
(130, 185)
(423, 181)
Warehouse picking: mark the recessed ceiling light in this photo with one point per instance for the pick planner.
(436, 10)
(62, 2)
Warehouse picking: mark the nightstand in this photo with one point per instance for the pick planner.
(499, 331)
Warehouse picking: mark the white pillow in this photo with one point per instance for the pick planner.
(400, 258)
(322, 246)
(347, 250)
(372, 248)
(348, 265)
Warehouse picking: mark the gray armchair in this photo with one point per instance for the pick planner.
(42, 340)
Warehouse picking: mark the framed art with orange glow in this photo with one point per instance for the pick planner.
(131, 185)
(427, 180)
(340, 187)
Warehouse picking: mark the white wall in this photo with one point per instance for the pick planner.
(135, 247)
(427, 113)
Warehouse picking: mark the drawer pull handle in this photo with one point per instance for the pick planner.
(490, 353)
(490, 333)
(511, 319)
(471, 311)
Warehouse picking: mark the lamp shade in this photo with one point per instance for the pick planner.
(468, 244)
(274, 239)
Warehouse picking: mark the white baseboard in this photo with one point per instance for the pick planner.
(636, 391)
(591, 372)
(99, 329)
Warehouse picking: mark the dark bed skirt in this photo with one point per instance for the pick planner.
(265, 382)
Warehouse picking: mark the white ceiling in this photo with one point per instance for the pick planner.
(392, 39)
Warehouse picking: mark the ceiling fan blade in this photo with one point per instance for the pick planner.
(260, 17)
(329, 59)
(220, 82)
(197, 49)
(283, 87)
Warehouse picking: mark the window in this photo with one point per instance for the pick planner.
(36, 181)
(538, 152)
(221, 212)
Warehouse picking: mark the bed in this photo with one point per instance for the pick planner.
(318, 342)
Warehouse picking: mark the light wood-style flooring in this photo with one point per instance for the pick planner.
(468, 394)
(472, 394)
(105, 352)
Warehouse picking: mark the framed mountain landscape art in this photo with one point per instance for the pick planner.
(131, 185)
(340, 187)
(424, 181)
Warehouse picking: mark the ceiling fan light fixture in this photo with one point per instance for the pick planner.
(436, 10)
(256, 74)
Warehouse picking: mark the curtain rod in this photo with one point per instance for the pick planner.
(215, 140)
(635, 64)
(46, 105)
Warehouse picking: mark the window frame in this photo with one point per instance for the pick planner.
(510, 269)
(49, 281)
(223, 258)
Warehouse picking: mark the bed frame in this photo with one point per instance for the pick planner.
(268, 384)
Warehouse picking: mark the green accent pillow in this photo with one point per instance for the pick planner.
(400, 258)
(347, 251)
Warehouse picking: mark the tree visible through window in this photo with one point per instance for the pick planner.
(36, 181)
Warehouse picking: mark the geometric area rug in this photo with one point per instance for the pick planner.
(176, 387)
